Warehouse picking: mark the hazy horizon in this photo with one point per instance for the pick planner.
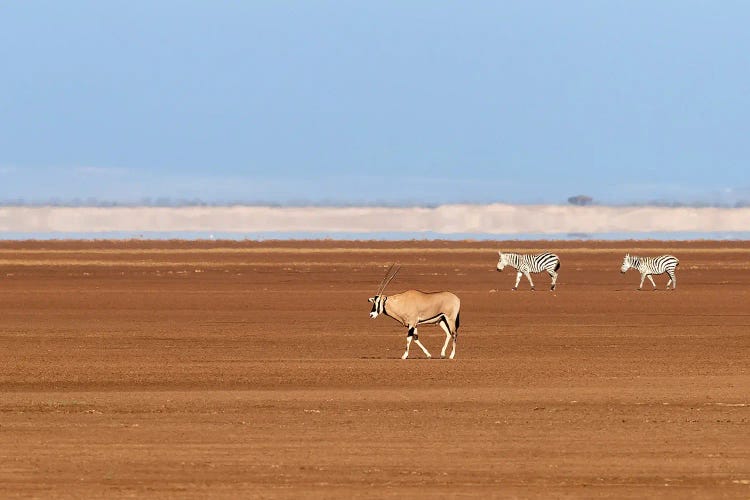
(473, 220)
(166, 202)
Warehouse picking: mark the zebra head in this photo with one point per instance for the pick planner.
(626, 263)
(502, 262)
(378, 304)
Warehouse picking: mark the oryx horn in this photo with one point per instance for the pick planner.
(389, 275)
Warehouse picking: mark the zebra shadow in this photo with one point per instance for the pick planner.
(642, 291)
(399, 358)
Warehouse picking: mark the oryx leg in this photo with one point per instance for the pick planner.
(651, 280)
(554, 278)
(416, 341)
(528, 277)
(409, 336)
(455, 338)
(444, 325)
(518, 279)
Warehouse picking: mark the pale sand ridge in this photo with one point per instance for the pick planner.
(446, 219)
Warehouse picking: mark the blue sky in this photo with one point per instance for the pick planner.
(409, 102)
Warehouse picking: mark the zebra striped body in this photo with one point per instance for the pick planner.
(652, 265)
(525, 264)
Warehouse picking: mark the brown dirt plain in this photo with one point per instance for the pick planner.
(252, 369)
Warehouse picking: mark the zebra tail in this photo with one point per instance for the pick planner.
(557, 266)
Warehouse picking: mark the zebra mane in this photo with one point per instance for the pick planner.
(512, 258)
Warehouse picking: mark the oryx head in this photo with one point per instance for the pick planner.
(378, 301)
(502, 262)
(626, 263)
(377, 305)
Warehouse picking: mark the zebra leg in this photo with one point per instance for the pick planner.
(672, 280)
(444, 325)
(528, 277)
(651, 280)
(416, 341)
(643, 277)
(409, 335)
(554, 279)
(518, 279)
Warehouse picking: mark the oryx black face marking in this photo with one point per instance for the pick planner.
(378, 306)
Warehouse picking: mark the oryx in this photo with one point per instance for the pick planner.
(413, 308)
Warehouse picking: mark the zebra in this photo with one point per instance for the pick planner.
(652, 265)
(530, 263)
